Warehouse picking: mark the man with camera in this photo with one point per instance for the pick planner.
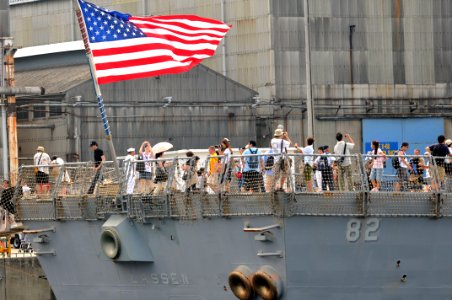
(342, 149)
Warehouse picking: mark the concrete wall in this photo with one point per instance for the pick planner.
(24, 279)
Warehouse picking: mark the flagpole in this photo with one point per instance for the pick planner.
(100, 99)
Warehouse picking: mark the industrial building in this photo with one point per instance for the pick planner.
(379, 70)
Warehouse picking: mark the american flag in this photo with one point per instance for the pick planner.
(125, 47)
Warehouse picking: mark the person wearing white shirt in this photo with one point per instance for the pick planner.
(42, 160)
(378, 160)
(308, 153)
(448, 163)
(344, 162)
(226, 174)
(130, 166)
(144, 168)
(402, 172)
(324, 163)
(280, 143)
(57, 163)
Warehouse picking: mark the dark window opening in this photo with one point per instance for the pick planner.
(39, 112)
(55, 111)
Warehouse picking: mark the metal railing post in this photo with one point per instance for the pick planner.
(169, 183)
(55, 191)
(364, 193)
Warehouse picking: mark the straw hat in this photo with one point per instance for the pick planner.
(278, 132)
(40, 148)
(448, 142)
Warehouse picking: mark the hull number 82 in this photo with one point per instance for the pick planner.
(368, 228)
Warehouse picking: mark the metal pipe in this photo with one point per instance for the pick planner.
(4, 19)
(26, 90)
(78, 126)
(223, 42)
(4, 32)
(381, 115)
(309, 101)
(261, 229)
(350, 39)
(35, 126)
(5, 166)
(277, 253)
(4, 143)
(12, 131)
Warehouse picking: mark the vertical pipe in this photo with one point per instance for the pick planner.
(12, 130)
(77, 126)
(73, 20)
(4, 33)
(309, 103)
(223, 42)
(3, 107)
(350, 37)
(4, 18)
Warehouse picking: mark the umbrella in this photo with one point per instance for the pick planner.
(161, 147)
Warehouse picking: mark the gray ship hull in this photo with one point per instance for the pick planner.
(321, 258)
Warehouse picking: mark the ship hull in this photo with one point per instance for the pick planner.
(321, 258)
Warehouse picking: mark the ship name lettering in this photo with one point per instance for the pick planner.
(184, 278)
(174, 279)
(168, 278)
(155, 278)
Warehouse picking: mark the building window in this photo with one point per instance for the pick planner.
(22, 113)
(39, 112)
(55, 111)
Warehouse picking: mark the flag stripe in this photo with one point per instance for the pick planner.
(189, 20)
(127, 47)
(125, 44)
(139, 59)
(142, 68)
(110, 79)
(179, 28)
(186, 37)
(110, 54)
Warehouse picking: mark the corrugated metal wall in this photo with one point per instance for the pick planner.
(401, 59)
(205, 107)
(395, 41)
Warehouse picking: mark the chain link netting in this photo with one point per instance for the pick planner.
(190, 188)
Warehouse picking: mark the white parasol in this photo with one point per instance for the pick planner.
(161, 147)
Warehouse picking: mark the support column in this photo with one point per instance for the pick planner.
(5, 168)
(309, 102)
(12, 130)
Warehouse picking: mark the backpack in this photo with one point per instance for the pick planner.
(253, 161)
(269, 163)
(323, 163)
(395, 162)
(140, 164)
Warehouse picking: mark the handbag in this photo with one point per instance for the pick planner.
(341, 160)
(284, 162)
(161, 174)
(36, 170)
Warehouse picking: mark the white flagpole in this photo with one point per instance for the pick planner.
(100, 100)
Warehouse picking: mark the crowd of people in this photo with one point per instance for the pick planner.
(255, 170)
(252, 170)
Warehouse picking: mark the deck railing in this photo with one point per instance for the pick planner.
(187, 189)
